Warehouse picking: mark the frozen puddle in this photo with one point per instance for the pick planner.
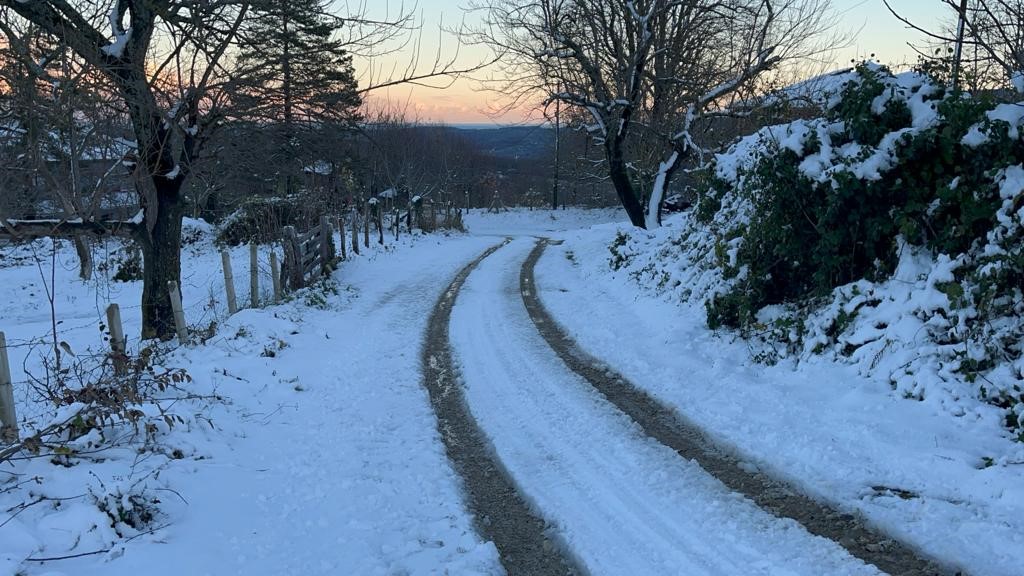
(619, 502)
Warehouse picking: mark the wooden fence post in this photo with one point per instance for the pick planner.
(117, 347)
(293, 254)
(398, 221)
(179, 312)
(366, 225)
(355, 231)
(433, 216)
(254, 276)
(326, 244)
(8, 418)
(275, 274)
(229, 282)
(341, 237)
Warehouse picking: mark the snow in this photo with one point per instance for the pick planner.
(324, 459)
(1018, 81)
(320, 167)
(121, 36)
(1012, 114)
(524, 222)
(816, 90)
(843, 436)
(116, 48)
(658, 191)
(622, 503)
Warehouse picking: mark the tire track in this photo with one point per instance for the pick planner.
(671, 429)
(500, 515)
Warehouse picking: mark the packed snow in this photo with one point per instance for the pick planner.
(310, 446)
(616, 500)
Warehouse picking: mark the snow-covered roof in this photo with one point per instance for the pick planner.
(321, 167)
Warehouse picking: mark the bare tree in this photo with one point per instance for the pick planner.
(68, 130)
(165, 87)
(168, 63)
(993, 34)
(646, 72)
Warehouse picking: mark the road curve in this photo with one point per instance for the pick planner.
(500, 514)
(671, 429)
(617, 501)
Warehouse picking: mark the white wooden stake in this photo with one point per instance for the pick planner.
(275, 272)
(229, 282)
(179, 312)
(254, 276)
(8, 419)
(117, 339)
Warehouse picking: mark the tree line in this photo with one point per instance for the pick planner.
(189, 105)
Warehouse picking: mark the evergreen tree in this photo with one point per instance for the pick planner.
(296, 76)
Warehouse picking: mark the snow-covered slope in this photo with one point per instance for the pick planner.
(949, 485)
(313, 449)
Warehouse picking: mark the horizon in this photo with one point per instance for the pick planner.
(875, 34)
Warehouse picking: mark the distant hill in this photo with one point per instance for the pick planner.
(510, 141)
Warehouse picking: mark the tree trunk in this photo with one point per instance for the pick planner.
(366, 225)
(624, 189)
(665, 172)
(161, 251)
(84, 257)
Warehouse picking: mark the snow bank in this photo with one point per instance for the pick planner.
(949, 485)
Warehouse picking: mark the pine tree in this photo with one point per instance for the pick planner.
(296, 75)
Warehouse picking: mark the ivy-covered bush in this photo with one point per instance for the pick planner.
(813, 229)
(888, 232)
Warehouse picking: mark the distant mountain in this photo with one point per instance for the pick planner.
(510, 141)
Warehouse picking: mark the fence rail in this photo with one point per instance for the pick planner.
(307, 256)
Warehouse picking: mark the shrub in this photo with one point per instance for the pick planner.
(262, 219)
(809, 235)
(620, 257)
(821, 214)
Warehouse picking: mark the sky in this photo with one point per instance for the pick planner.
(871, 26)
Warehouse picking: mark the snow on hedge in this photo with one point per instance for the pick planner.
(939, 313)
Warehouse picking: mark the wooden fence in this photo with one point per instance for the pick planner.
(8, 419)
(307, 256)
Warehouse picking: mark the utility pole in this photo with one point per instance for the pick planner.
(958, 53)
(558, 128)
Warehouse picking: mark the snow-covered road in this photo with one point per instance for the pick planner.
(619, 502)
(326, 457)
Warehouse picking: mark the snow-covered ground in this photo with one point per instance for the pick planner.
(525, 222)
(953, 486)
(324, 458)
(619, 502)
(322, 454)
